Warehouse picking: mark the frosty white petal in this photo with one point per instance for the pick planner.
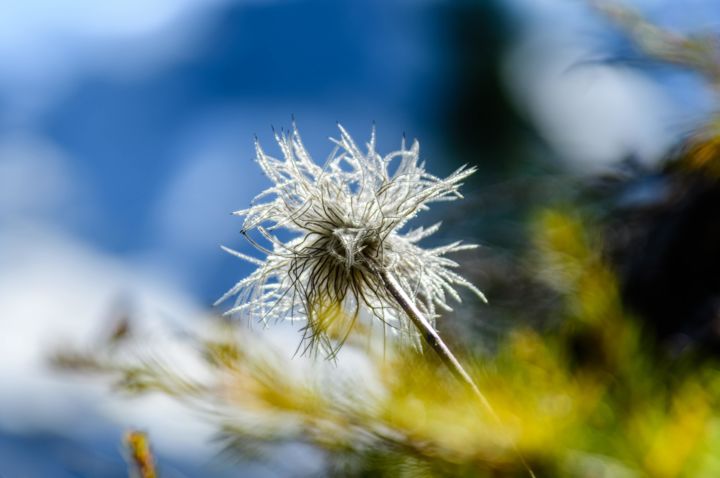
(347, 216)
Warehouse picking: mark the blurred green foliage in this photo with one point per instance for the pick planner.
(590, 398)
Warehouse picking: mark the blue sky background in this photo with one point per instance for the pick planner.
(160, 146)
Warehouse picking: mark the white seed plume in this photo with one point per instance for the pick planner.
(345, 220)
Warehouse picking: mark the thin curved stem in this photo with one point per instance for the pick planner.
(432, 338)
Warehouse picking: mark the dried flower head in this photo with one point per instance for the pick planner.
(345, 220)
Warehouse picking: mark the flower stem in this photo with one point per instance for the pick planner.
(436, 343)
(433, 339)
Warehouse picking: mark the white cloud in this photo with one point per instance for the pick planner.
(36, 181)
(56, 291)
(594, 113)
(591, 113)
(46, 45)
(216, 176)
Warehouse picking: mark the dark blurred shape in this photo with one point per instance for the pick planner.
(480, 125)
(664, 236)
(477, 116)
(586, 350)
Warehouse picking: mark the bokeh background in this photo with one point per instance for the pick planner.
(126, 139)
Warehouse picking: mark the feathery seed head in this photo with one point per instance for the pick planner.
(347, 218)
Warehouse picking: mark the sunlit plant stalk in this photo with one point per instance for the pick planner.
(141, 459)
(432, 338)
